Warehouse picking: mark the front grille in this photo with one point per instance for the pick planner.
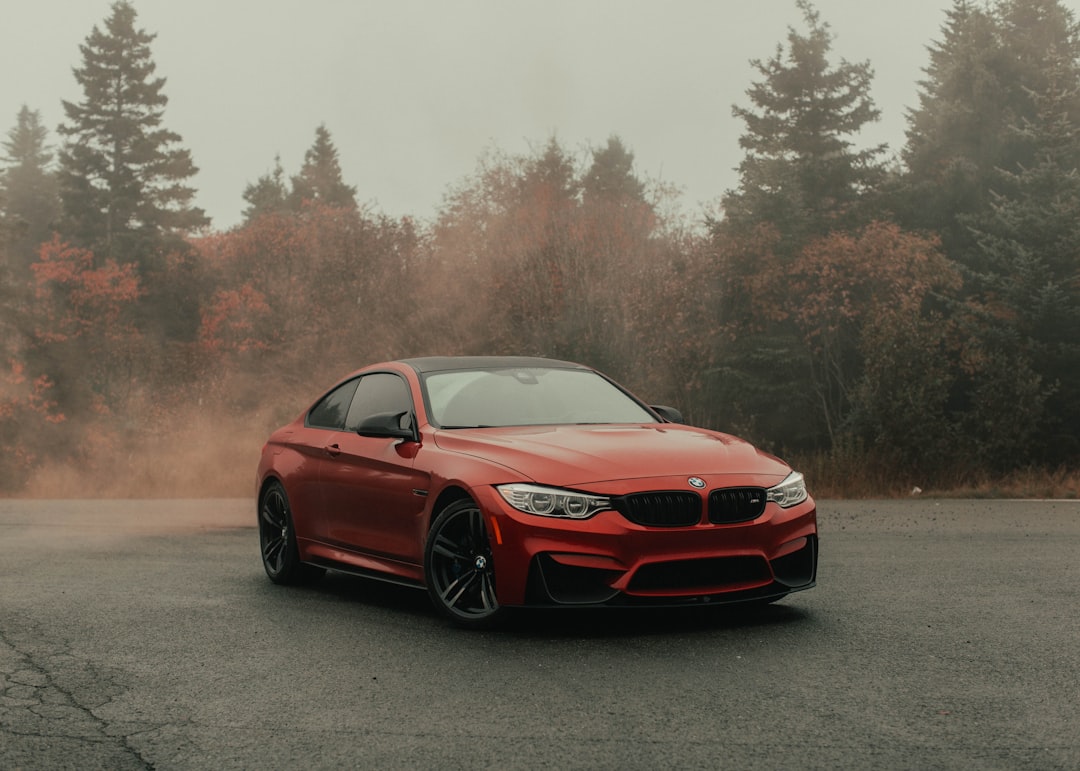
(660, 509)
(700, 574)
(736, 504)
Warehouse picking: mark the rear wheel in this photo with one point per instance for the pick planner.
(459, 568)
(277, 540)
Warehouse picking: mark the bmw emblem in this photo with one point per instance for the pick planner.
(697, 482)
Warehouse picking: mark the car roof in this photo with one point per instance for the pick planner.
(425, 364)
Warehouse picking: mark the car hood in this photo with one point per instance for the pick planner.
(579, 455)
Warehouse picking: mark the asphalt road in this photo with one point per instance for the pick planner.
(143, 634)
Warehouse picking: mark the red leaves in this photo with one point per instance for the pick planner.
(848, 280)
(27, 409)
(325, 278)
(75, 297)
(235, 320)
(38, 400)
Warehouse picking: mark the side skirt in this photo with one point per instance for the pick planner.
(374, 575)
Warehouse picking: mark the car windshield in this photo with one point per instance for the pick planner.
(527, 396)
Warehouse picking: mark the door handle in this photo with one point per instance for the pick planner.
(332, 450)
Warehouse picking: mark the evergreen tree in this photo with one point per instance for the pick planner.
(979, 87)
(550, 178)
(31, 201)
(320, 179)
(267, 195)
(800, 180)
(955, 136)
(1029, 245)
(801, 173)
(611, 177)
(123, 176)
(1043, 42)
(991, 165)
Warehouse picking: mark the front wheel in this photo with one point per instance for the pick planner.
(459, 568)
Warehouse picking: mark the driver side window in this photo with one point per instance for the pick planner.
(378, 393)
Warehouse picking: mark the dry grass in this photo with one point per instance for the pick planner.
(1062, 483)
(852, 475)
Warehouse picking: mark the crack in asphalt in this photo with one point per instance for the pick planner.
(33, 703)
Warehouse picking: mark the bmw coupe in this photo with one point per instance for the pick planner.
(495, 482)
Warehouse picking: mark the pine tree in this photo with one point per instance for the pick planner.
(979, 87)
(611, 177)
(31, 201)
(549, 177)
(801, 173)
(955, 136)
(801, 179)
(267, 195)
(123, 176)
(319, 180)
(1043, 41)
(991, 163)
(1029, 246)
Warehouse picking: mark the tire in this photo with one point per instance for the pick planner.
(459, 569)
(277, 540)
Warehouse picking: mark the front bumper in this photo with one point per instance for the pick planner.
(608, 560)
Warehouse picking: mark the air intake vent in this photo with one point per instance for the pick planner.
(702, 574)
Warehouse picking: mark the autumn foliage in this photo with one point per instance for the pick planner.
(28, 417)
(864, 322)
(78, 301)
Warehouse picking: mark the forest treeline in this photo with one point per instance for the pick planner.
(904, 316)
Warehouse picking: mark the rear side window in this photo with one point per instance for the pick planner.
(331, 410)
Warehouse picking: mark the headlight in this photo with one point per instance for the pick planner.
(551, 501)
(789, 492)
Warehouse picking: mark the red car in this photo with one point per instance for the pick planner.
(512, 481)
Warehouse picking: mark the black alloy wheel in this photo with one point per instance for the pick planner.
(277, 540)
(459, 568)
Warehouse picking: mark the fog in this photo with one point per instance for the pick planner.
(196, 453)
(415, 91)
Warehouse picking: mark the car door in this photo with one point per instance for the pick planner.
(316, 443)
(370, 487)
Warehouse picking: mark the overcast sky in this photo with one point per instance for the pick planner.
(413, 92)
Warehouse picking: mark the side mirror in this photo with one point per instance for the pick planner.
(669, 414)
(393, 425)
